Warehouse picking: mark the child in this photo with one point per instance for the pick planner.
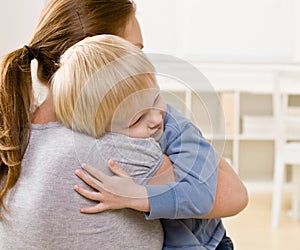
(114, 89)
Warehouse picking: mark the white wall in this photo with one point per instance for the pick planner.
(296, 30)
(18, 19)
(231, 30)
(159, 21)
(205, 30)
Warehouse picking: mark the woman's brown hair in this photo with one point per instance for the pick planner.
(62, 24)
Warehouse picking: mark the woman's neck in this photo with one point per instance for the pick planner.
(45, 112)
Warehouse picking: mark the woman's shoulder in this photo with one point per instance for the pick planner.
(49, 125)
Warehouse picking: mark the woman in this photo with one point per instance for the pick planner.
(62, 24)
(39, 207)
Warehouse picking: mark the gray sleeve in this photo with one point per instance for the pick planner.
(139, 157)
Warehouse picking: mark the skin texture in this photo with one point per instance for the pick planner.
(144, 120)
(235, 193)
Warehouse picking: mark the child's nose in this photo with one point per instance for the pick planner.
(155, 117)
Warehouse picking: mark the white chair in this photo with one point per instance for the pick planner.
(287, 152)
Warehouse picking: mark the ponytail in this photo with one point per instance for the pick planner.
(16, 99)
(62, 24)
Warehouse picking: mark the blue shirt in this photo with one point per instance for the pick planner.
(196, 169)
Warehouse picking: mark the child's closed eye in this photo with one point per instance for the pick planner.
(136, 121)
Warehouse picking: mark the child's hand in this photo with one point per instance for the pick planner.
(114, 192)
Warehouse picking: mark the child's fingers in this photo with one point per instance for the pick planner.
(95, 209)
(116, 169)
(98, 174)
(89, 180)
(95, 196)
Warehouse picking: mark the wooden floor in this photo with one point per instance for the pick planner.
(251, 230)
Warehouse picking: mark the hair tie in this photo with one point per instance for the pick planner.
(31, 55)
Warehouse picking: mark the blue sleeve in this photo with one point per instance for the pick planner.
(196, 168)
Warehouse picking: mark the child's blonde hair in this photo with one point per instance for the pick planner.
(94, 77)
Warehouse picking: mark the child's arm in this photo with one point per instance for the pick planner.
(231, 195)
(196, 168)
(120, 193)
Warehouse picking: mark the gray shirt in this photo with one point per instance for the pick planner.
(44, 208)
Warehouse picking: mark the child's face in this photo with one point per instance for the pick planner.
(145, 119)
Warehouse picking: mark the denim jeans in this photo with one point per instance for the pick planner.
(225, 244)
